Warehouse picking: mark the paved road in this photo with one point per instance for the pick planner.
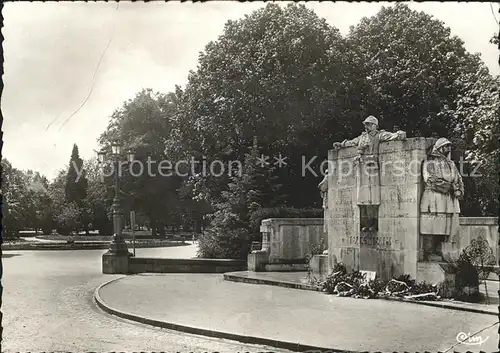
(297, 316)
(48, 306)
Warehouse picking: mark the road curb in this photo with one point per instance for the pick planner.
(442, 305)
(296, 347)
(270, 282)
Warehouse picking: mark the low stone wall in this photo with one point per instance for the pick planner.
(319, 267)
(434, 272)
(474, 227)
(285, 243)
(159, 265)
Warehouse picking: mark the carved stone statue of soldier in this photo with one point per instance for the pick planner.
(439, 206)
(367, 167)
(323, 188)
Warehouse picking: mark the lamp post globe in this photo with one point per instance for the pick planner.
(116, 148)
(101, 155)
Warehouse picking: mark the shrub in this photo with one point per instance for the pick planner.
(447, 289)
(63, 230)
(10, 234)
(68, 219)
(104, 227)
(235, 226)
(47, 230)
(466, 273)
(466, 278)
(220, 243)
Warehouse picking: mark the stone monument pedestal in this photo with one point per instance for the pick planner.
(392, 246)
(257, 260)
(115, 263)
(286, 242)
(319, 267)
(435, 272)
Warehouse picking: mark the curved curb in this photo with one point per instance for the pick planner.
(235, 278)
(270, 282)
(296, 347)
(443, 305)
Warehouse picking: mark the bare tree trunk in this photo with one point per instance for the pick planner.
(154, 228)
(161, 228)
(198, 225)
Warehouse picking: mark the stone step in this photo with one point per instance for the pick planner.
(285, 267)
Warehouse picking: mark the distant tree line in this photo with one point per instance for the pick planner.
(280, 80)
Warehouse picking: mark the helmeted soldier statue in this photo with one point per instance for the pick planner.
(439, 206)
(368, 171)
(323, 188)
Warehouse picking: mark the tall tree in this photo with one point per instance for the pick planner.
(39, 211)
(477, 122)
(279, 74)
(412, 65)
(143, 124)
(57, 194)
(14, 199)
(99, 197)
(231, 235)
(76, 193)
(26, 200)
(76, 181)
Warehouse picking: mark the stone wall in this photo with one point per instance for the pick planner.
(286, 242)
(434, 272)
(290, 239)
(472, 228)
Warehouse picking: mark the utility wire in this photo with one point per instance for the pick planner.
(469, 336)
(494, 16)
(93, 78)
(95, 73)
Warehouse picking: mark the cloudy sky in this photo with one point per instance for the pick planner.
(52, 50)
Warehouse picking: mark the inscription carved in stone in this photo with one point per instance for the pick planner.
(368, 241)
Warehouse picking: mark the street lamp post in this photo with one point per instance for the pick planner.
(38, 221)
(115, 260)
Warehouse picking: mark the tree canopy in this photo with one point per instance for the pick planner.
(280, 81)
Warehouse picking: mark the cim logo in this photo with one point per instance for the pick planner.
(469, 340)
